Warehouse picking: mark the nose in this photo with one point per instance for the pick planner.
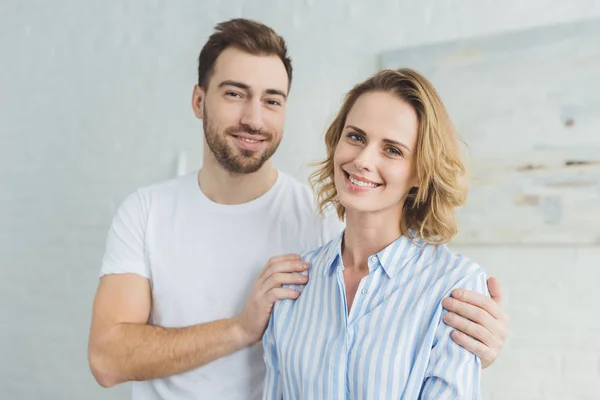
(365, 159)
(252, 115)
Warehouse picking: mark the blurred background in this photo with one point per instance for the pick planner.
(95, 102)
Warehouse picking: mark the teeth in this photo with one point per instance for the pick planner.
(361, 183)
(249, 140)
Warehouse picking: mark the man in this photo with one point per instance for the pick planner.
(179, 309)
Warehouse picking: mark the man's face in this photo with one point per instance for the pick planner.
(243, 109)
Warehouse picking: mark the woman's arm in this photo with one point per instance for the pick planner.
(453, 372)
(272, 388)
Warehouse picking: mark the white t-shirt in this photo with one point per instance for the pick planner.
(202, 259)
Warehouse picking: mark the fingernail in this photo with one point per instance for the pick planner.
(459, 293)
(448, 317)
(447, 302)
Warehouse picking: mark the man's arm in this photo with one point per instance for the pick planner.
(481, 323)
(123, 347)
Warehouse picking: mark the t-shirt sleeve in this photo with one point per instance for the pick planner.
(125, 244)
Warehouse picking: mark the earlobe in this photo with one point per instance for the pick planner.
(198, 101)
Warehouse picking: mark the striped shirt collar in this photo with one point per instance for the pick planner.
(392, 258)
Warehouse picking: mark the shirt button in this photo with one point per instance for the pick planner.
(374, 259)
(364, 291)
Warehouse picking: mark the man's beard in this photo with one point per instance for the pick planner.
(247, 161)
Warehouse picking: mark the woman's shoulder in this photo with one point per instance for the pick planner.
(454, 268)
(320, 258)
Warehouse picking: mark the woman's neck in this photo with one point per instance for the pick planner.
(367, 234)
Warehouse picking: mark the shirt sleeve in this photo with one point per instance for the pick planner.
(453, 372)
(125, 244)
(272, 387)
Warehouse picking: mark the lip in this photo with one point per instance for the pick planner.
(239, 139)
(356, 188)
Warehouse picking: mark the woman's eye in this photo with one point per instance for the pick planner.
(355, 137)
(394, 151)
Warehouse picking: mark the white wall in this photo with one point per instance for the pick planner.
(94, 100)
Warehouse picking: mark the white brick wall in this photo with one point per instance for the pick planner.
(553, 350)
(95, 102)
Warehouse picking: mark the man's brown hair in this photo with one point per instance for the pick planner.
(247, 35)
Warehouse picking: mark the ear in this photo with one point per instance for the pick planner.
(198, 97)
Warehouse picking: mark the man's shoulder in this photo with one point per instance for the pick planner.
(296, 197)
(297, 190)
(144, 199)
(302, 199)
(168, 187)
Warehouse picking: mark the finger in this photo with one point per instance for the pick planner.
(467, 310)
(283, 278)
(485, 353)
(279, 259)
(470, 328)
(281, 293)
(480, 301)
(495, 290)
(498, 327)
(284, 266)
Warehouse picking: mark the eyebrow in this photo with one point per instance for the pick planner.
(246, 87)
(389, 141)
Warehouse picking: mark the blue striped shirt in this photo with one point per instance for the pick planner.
(393, 344)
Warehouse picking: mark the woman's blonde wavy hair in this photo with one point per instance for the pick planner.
(429, 209)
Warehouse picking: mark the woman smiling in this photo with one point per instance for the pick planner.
(369, 323)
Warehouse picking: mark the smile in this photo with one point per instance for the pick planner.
(248, 143)
(249, 140)
(361, 183)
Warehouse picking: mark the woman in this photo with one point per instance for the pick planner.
(368, 324)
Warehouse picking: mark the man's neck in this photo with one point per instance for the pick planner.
(225, 187)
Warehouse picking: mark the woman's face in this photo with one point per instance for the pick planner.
(374, 160)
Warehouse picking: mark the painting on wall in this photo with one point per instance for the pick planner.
(527, 104)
